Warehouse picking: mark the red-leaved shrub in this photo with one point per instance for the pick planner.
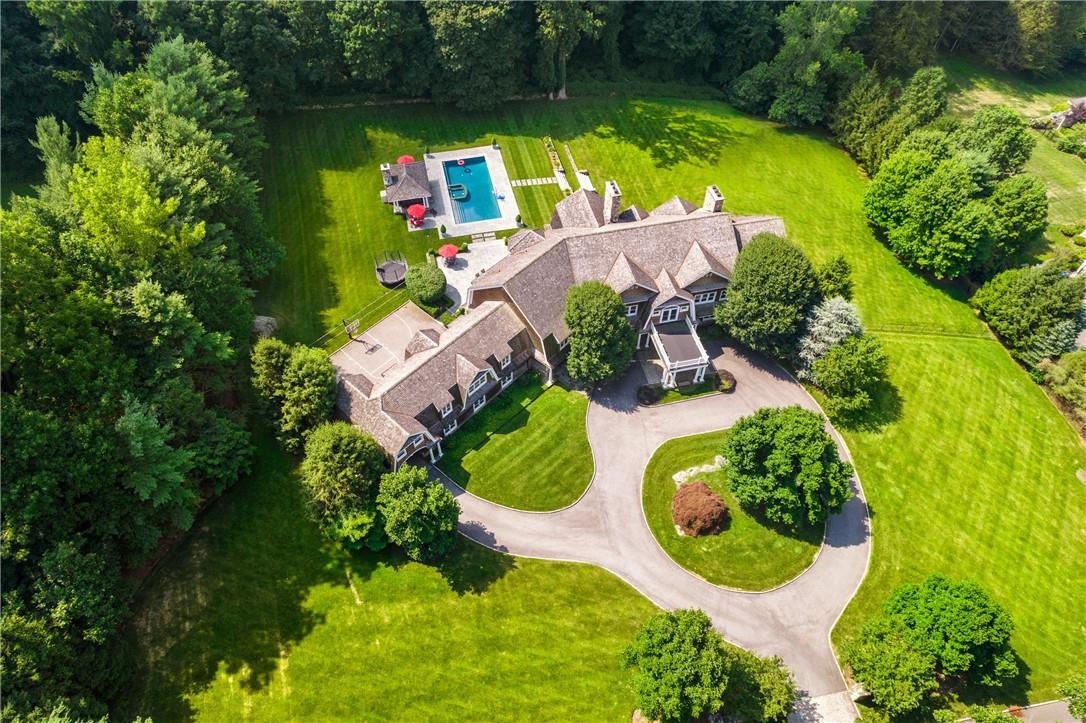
(697, 510)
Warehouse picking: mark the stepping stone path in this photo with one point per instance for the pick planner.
(533, 181)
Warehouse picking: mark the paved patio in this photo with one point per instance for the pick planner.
(466, 266)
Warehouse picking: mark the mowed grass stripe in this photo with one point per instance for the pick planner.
(979, 484)
(527, 449)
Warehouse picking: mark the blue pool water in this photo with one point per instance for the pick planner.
(473, 178)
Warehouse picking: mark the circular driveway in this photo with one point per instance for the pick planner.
(607, 527)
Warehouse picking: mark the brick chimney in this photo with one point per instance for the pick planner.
(714, 200)
(612, 202)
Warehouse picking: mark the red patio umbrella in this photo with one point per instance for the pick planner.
(405, 159)
(416, 211)
(448, 251)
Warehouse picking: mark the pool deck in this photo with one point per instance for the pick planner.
(499, 178)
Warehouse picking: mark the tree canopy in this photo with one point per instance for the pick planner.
(419, 514)
(772, 289)
(125, 317)
(930, 631)
(601, 341)
(683, 669)
(782, 463)
(1027, 306)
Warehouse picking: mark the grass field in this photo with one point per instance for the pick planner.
(748, 554)
(1064, 175)
(253, 618)
(322, 179)
(972, 472)
(527, 449)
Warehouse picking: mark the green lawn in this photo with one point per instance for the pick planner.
(748, 554)
(253, 618)
(1064, 175)
(322, 180)
(972, 472)
(527, 449)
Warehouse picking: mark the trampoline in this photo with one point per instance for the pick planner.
(390, 270)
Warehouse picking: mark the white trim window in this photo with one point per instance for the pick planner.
(479, 404)
(564, 343)
(506, 361)
(669, 314)
(450, 427)
(631, 309)
(401, 455)
(478, 383)
(705, 297)
(447, 409)
(507, 380)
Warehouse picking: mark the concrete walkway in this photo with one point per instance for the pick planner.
(607, 527)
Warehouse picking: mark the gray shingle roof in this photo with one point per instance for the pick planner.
(669, 289)
(427, 377)
(537, 278)
(698, 264)
(388, 411)
(581, 209)
(633, 213)
(411, 182)
(422, 340)
(523, 239)
(674, 206)
(625, 275)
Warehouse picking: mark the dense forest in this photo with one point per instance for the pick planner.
(127, 275)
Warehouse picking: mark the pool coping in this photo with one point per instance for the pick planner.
(499, 179)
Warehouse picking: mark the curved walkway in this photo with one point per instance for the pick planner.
(607, 527)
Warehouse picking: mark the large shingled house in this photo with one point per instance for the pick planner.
(671, 266)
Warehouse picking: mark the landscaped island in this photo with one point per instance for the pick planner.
(748, 553)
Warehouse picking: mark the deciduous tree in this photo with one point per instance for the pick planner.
(783, 463)
(680, 667)
(419, 514)
(601, 341)
(849, 373)
(773, 287)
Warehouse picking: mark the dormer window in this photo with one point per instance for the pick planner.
(631, 309)
(671, 313)
(477, 383)
(447, 409)
(564, 343)
(705, 297)
(506, 360)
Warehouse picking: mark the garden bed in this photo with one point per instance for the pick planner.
(748, 553)
(722, 381)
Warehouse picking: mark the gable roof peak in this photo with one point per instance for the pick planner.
(698, 264)
(674, 206)
(626, 274)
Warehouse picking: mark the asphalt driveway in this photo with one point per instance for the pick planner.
(607, 527)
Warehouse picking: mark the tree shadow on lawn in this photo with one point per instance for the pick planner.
(1014, 691)
(232, 598)
(470, 568)
(671, 135)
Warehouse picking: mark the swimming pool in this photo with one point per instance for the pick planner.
(471, 192)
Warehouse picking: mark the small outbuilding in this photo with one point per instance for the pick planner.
(406, 184)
